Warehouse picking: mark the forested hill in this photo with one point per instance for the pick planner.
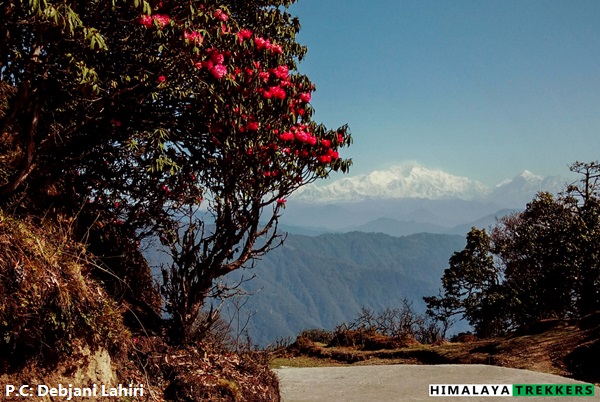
(320, 282)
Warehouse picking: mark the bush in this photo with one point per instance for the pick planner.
(400, 326)
(464, 337)
(49, 307)
(317, 335)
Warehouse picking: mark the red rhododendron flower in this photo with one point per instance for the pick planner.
(146, 21)
(281, 72)
(324, 158)
(194, 37)
(305, 97)
(281, 201)
(340, 137)
(219, 71)
(278, 92)
(221, 15)
(162, 78)
(276, 49)
(244, 34)
(264, 76)
(217, 57)
(162, 19)
(252, 126)
(287, 136)
(326, 143)
(262, 43)
(302, 136)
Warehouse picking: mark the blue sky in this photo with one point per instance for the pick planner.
(483, 89)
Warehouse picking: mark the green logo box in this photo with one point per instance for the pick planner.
(553, 390)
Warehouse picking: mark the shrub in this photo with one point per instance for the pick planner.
(317, 335)
(49, 307)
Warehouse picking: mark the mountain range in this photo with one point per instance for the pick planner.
(323, 281)
(409, 199)
(415, 181)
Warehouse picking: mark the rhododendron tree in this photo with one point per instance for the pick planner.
(129, 115)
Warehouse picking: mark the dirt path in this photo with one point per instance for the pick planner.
(406, 382)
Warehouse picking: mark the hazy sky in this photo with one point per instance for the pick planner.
(483, 89)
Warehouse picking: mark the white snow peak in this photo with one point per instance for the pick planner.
(403, 181)
(415, 181)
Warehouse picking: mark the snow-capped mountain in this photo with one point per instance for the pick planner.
(405, 181)
(521, 189)
(415, 181)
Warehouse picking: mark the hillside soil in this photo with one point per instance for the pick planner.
(568, 348)
(58, 325)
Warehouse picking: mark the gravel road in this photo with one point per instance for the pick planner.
(406, 383)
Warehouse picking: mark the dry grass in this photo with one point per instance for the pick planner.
(201, 373)
(52, 311)
(567, 348)
(49, 306)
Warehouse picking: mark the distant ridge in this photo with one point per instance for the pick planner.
(320, 282)
(394, 227)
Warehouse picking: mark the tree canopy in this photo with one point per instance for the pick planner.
(127, 116)
(537, 264)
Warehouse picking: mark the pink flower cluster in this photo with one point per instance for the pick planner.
(262, 43)
(328, 156)
(214, 64)
(274, 83)
(244, 34)
(281, 72)
(219, 71)
(161, 19)
(220, 15)
(305, 97)
(274, 91)
(252, 126)
(301, 133)
(193, 37)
